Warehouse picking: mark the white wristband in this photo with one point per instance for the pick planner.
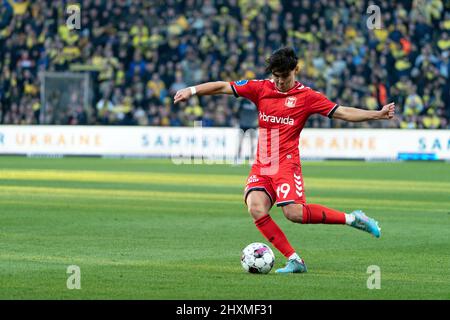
(193, 91)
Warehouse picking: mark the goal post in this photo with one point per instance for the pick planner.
(66, 96)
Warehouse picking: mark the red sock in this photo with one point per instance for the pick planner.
(315, 213)
(272, 232)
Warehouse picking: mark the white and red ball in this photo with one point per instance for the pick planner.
(257, 258)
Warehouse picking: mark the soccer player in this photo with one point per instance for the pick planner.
(284, 105)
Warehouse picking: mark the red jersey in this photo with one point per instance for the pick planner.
(282, 116)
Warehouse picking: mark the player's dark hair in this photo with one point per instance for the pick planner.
(282, 60)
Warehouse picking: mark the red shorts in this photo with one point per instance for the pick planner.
(284, 187)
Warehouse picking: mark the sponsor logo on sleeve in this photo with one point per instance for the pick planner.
(241, 82)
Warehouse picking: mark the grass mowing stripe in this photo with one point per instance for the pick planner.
(328, 191)
(195, 179)
(122, 177)
(8, 191)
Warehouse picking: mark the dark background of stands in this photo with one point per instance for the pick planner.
(140, 53)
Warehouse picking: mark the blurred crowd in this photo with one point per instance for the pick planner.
(139, 53)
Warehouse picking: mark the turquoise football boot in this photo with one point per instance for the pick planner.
(293, 266)
(363, 222)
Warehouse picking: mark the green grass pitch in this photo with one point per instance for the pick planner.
(149, 229)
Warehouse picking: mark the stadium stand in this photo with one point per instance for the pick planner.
(139, 53)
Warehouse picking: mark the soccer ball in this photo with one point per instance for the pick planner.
(257, 258)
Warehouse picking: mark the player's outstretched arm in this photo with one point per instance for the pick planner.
(204, 89)
(357, 115)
